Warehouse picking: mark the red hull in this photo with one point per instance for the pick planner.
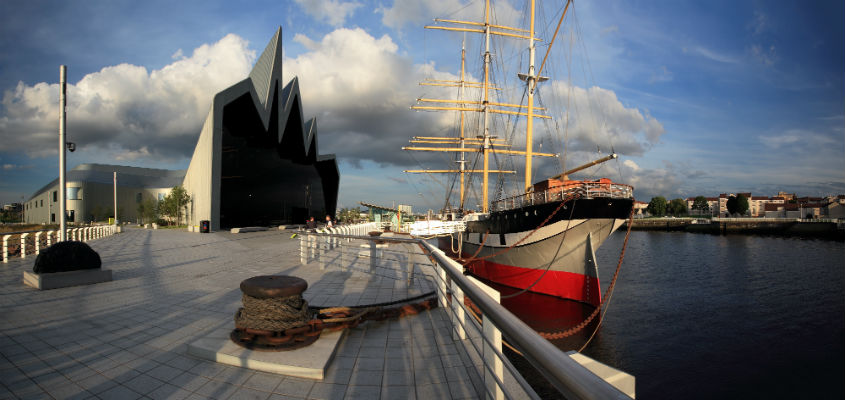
(566, 285)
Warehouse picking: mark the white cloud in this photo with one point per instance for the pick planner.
(759, 24)
(797, 139)
(661, 75)
(126, 108)
(631, 165)
(360, 89)
(598, 119)
(610, 29)
(766, 57)
(712, 55)
(418, 12)
(332, 12)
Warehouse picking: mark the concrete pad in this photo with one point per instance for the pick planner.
(57, 280)
(308, 362)
(620, 380)
(249, 229)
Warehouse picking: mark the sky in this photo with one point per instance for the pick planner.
(697, 98)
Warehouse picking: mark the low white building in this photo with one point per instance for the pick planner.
(90, 193)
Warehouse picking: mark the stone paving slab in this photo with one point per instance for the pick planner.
(57, 280)
(127, 339)
(307, 362)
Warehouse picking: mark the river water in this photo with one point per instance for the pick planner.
(713, 317)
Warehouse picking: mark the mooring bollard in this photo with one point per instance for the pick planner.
(272, 307)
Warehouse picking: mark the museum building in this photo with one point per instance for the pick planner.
(256, 163)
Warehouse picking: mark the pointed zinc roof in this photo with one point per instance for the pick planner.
(269, 65)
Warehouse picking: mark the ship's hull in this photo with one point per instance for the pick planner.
(556, 259)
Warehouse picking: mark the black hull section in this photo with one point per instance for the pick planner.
(530, 217)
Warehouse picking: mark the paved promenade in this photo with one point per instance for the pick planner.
(127, 339)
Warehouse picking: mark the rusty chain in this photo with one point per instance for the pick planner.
(327, 319)
(575, 329)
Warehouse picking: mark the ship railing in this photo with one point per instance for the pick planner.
(30, 243)
(483, 339)
(435, 227)
(583, 190)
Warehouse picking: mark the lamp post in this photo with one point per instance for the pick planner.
(62, 145)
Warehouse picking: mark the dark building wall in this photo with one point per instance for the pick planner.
(268, 178)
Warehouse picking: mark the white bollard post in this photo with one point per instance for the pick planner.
(23, 244)
(303, 249)
(38, 242)
(49, 238)
(6, 248)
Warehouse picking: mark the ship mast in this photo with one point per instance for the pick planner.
(529, 128)
(486, 143)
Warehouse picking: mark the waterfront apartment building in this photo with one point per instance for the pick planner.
(784, 205)
(712, 202)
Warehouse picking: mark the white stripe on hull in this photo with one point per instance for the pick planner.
(565, 249)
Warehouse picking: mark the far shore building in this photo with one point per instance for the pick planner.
(712, 203)
(256, 163)
(640, 208)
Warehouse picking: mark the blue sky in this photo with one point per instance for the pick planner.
(697, 97)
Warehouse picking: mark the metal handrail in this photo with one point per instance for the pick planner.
(584, 190)
(564, 373)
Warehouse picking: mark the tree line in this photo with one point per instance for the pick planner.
(660, 207)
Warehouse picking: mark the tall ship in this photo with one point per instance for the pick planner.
(542, 236)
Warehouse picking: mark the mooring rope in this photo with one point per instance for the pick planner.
(273, 314)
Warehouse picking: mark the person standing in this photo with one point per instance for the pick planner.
(311, 223)
(329, 223)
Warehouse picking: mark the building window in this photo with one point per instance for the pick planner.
(42, 203)
(53, 217)
(161, 196)
(74, 193)
(138, 197)
(55, 196)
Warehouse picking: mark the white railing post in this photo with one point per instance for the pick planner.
(494, 336)
(322, 246)
(373, 254)
(49, 238)
(23, 244)
(441, 286)
(342, 263)
(6, 248)
(38, 242)
(410, 280)
(458, 313)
